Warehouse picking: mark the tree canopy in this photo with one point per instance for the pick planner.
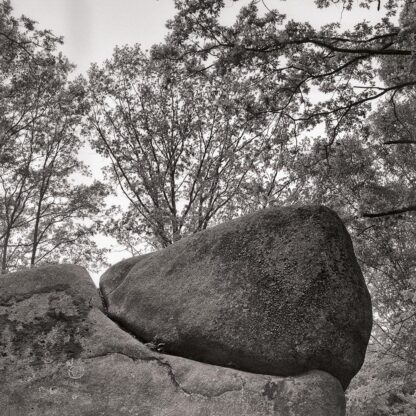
(44, 215)
(289, 62)
(183, 148)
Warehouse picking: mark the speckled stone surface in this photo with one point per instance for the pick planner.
(61, 355)
(277, 292)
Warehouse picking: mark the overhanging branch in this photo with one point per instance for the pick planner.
(401, 141)
(409, 208)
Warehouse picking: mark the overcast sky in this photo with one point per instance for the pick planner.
(92, 28)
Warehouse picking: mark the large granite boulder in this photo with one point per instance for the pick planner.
(60, 355)
(275, 292)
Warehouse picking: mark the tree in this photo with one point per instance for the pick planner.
(385, 386)
(23, 48)
(43, 212)
(290, 59)
(182, 146)
(361, 176)
(361, 163)
(292, 64)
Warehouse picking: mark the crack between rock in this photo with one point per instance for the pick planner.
(159, 361)
(171, 374)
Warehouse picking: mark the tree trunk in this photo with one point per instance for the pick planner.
(4, 253)
(35, 244)
(35, 234)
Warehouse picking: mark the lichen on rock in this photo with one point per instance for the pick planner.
(61, 355)
(278, 291)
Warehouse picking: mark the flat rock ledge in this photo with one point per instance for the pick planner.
(61, 355)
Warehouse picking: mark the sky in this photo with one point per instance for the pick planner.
(92, 28)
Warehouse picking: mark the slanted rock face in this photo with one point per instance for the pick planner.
(60, 355)
(276, 292)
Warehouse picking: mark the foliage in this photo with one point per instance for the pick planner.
(368, 183)
(182, 147)
(385, 386)
(42, 211)
(287, 60)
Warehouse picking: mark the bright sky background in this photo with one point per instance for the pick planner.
(92, 28)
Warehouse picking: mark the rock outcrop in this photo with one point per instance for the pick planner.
(60, 355)
(275, 292)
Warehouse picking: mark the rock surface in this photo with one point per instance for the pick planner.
(60, 355)
(275, 292)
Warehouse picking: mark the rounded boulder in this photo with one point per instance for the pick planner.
(276, 292)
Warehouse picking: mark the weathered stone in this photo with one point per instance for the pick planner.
(275, 292)
(60, 355)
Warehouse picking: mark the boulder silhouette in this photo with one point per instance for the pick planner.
(275, 292)
(60, 355)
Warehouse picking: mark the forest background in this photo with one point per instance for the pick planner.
(229, 114)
